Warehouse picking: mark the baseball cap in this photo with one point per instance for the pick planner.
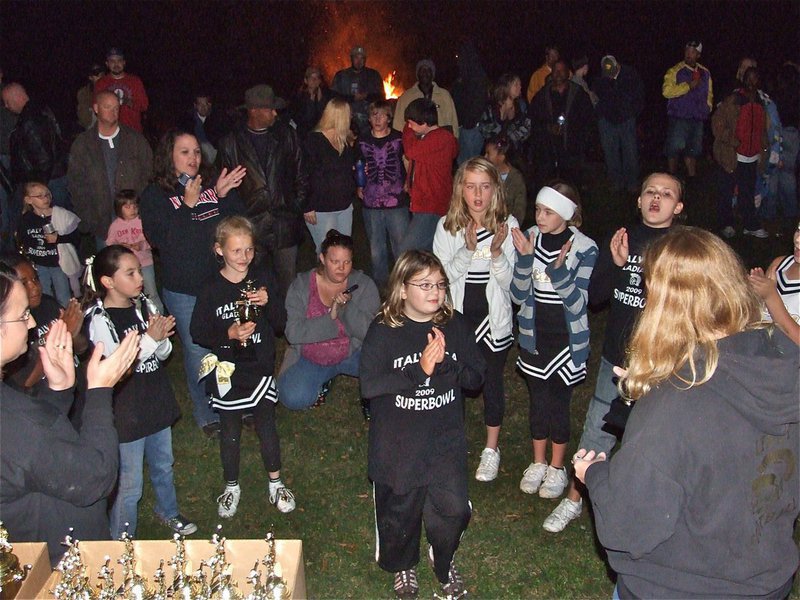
(696, 45)
(262, 96)
(115, 51)
(358, 50)
(608, 66)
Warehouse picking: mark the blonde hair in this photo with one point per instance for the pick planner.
(27, 188)
(336, 116)
(571, 192)
(697, 293)
(458, 216)
(230, 226)
(677, 182)
(411, 263)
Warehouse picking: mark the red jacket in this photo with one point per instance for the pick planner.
(430, 169)
(128, 87)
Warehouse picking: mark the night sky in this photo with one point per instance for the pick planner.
(226, 46)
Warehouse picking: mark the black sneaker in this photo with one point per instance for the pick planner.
(211, 430)
(405, 584)
(454, 588)
(180, 525)
(322, 395)
(366, 409)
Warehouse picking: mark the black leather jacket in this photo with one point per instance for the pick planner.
(274, 195)
(37, 149)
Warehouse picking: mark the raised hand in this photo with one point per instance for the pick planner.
(619, 247)
(562, 256)
(260, 297)
(73, 317)
(56, 355)
(764, 285)
(160, 327)
(107, 372)
(191, 192)
(229, 180)
(522, 242)
(498, 239)
(434, 352)
(471, 236)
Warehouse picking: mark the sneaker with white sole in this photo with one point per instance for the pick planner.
(489, 465)
(555, 482)
(532, 477)
(406, 585)
(566, 511)
(180, 525)
(454, 588)
(228, 501)
(759, 233)
(283, 499)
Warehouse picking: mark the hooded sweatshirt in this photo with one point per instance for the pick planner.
(701, 498)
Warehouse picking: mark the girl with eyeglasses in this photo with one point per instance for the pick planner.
(417, 356)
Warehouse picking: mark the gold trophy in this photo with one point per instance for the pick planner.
(247, 311)
(11, 575)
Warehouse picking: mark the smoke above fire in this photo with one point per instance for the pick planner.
(343, 25)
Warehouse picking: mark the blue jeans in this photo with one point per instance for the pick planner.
(55, 283)
(340, 220)
(593, 436)
(619, 148)
(150, 288)
(470, 143)
(420, 232)
(684, 136)
(783, 184)
(181, 307)
(381, 223)
(299, 385)
(157, 449)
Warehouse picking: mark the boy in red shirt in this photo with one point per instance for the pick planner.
(429, 154)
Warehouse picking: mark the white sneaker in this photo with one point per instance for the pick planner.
(566, 511)
(554, 484)
(532, 477)
(283, 499)
(760, 233)
(490, 464)
(728, 232)
(228, 502)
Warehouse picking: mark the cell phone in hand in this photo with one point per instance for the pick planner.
(351, 289)
(184, 179)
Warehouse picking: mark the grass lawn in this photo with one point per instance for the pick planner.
(505, 553)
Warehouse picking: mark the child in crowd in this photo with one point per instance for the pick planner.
(498, 151)
(385, 203)
(780, 290)
(478, 256)
(26, 372)
(429, 153)
(144, 404)
(239, 371)
(126, 230)
(617, 278)
(551, 281)
(418, 355)
(48, 235)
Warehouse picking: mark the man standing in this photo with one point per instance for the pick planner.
(359, 85)
(275, 187)
(206, 124)
(36, 149)
(426, 88)
(128, 88)
(620, 99)
(687, 87)
(85, 97)
(561, 114)
(540, 75)
(104, 159)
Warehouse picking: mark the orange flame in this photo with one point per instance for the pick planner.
(390, 89)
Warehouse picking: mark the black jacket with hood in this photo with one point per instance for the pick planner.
(701, 499)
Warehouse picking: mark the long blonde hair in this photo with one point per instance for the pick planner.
(458, 216)
(697, 293)
(336, 117)
(410, 263)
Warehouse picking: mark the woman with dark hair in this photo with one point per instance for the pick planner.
(179, 215)
(506, 114)
(309, 102)
(328, 311)
(52, 476)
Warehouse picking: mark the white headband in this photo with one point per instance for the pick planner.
(556, 201)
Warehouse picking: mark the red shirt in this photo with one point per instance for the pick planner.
(430, 172)
(127, 87)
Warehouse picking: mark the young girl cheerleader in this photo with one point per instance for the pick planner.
(551, 280)
(144, 404)
(236, 317)
(780, 290)
(48, 235)
(416, 357)
(478, 256)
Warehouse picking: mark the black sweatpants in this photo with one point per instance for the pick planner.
(230, 438)
(548, 416)
(494, 399)
(444, 507)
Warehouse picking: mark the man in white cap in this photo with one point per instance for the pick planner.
(688, 90)
(359, 85)
(426, 88)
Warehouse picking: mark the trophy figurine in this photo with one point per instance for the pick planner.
(182, 585)
(274, 586)
(134, 586)
(74, 583)
(245, 309)
(108, 591)
(11, 575)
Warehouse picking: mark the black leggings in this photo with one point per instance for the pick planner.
(230, 435)
(494, 401)
(549, 408)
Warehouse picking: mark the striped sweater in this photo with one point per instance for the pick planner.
(571, 283)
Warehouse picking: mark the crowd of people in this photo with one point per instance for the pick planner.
(457, 279)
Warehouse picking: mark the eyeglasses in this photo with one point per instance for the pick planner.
(427, 287)
(40, 196)
(24, 318)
